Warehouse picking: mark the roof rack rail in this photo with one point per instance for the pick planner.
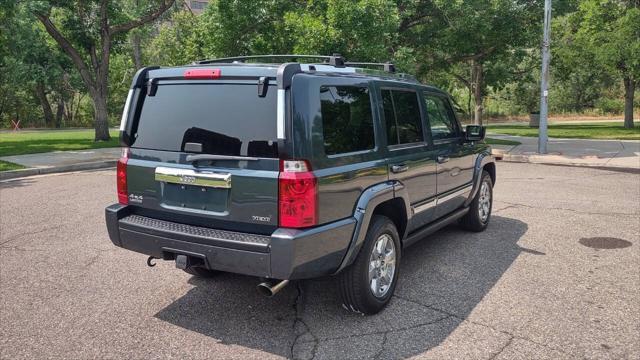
(387, 67)
(334, 60)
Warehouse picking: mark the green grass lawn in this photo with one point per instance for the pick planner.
(491, 141)
(610, 130)
(6, 166)
(31, 142)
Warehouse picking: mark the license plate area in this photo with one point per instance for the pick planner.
(195, 197)
(198, 191)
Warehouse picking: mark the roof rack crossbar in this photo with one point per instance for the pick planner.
(335, 59)
(387, 67)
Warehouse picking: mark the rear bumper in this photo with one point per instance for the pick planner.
(286, 254)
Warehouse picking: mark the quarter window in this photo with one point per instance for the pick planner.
(402, 117)
(441, 118)
(347, 121)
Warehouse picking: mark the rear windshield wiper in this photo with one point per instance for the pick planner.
(198, 157)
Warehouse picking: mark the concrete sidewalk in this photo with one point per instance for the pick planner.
(577, 152)
(61, 161)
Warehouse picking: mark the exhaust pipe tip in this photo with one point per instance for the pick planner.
(268, 289)
(265, 289)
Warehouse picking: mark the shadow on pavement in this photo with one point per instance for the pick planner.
(442, 280)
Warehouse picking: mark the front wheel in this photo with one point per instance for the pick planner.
(368, 284)
(479, 213)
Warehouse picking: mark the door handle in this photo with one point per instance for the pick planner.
(442, 159)
(399, 168)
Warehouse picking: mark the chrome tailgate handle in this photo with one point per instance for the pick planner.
(191, 177)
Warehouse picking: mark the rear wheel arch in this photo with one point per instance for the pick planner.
(388, 199)
(491, 169)
(396, 210)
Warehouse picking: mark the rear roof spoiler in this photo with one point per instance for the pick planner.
(131, 105)
(284, 77)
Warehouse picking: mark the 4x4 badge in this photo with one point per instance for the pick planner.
(133, 198)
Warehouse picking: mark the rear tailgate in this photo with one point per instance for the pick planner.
(230, 131)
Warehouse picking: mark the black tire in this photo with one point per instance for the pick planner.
(201, 272)
(473, 221)
(354, 284)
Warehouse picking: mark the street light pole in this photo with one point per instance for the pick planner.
(544, 83)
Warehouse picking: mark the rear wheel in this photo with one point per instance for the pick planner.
(479, 213)
(368, 284)
(201, 272)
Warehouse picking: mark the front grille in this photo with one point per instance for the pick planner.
(198, 231)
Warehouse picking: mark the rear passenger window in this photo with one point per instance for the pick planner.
(347, 121)
(402, 116)
(441, 119)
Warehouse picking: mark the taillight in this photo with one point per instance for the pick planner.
(121, 174)
(298, 195)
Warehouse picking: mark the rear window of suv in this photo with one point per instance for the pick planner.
(347, 121)
(227, 119)
(402, 116)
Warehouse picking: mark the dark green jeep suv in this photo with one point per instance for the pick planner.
(293, 170)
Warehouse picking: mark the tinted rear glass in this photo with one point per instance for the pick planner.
(227, 119)
(402, 116)
(346, 119)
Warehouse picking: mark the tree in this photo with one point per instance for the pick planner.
(232, 27)
(579, 79)
(474, 41)
(36, 64)
(85, 31)
(610, 32)
(363, 30)
(179, 41)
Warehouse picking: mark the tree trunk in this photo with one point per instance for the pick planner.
(136, 50)
(101, 117)
(629, 90)
(59, 112)
(46, 106)
(478, 96)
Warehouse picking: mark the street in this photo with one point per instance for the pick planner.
(525, 288)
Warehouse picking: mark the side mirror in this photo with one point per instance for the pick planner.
(474, 132)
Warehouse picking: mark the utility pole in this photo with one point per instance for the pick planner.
(544, 83)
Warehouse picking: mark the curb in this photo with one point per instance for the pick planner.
(14, 174)
(527, 160)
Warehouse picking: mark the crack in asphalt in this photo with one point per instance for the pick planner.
(381, 332)
(564, 209)
(506, 345)
(92, 260)
(461, 319)
(298, 307)
(20, 248)
(18, 236)
(505, 208)
(382, 346)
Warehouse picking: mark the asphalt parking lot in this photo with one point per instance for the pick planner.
(526, 288)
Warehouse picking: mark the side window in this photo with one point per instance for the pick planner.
(347, 121)
(402, 116)
(441, 119)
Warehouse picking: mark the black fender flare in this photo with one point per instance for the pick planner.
(483, 159)
(368, 201)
